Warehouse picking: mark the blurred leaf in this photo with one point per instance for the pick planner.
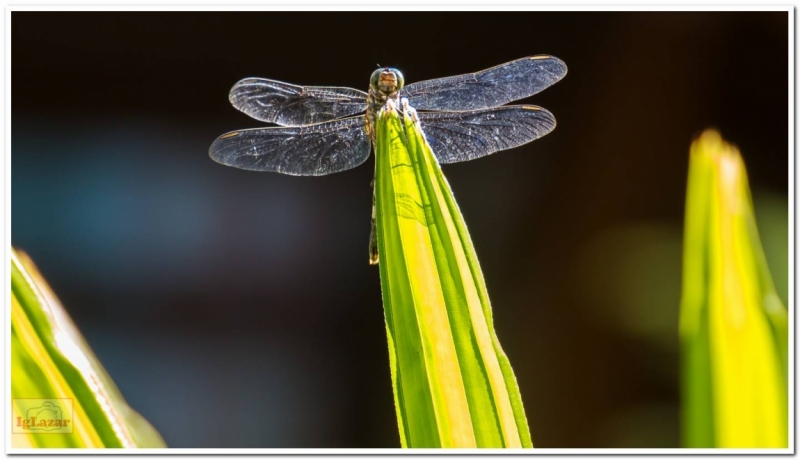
(733, 326)
(453, 384)
(773, 226)
(53, 367)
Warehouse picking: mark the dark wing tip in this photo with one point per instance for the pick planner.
(217, 150)
(228, 153)
(542, 114)
(536, 108)
(229, 135)
(246, 81)
(554, 64)
(235, 88)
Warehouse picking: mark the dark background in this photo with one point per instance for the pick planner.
(237, 309)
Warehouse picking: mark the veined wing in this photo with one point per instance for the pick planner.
(463, 136)
(488, 88)
(313, 150)
(291, 105)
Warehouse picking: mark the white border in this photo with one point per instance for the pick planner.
(396, 451)
(792, 255)
(407, 5)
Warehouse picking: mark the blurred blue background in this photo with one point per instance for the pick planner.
(237, 309)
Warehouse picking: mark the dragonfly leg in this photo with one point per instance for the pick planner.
(373, 235)
(407, 109)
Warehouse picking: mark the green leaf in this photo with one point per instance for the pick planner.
(53, 368)
(453, 385)
(733, 326)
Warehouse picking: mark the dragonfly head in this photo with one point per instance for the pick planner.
(386, 80)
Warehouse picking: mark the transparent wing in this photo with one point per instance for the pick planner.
(488, 88)
(464, 136)
(291, 105)
(313, 150)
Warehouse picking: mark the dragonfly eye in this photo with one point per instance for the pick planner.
(373, 80)
(400, 80)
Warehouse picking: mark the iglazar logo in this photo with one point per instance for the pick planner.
(43, 416)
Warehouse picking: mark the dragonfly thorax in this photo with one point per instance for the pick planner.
(384, 84)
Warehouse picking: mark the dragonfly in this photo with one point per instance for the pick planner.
(326, 129)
